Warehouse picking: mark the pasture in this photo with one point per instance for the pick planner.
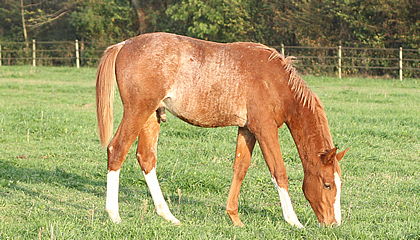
(53, 171)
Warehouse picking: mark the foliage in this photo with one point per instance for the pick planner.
(53, 171)
(361, 23)
(374, 23)
(11, 21)
(217, 20)
(107, 21)
(44, 20)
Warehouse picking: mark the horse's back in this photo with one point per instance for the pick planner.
(204, 83)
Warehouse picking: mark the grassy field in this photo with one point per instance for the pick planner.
(53, 171)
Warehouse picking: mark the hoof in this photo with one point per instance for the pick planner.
(176, 222)
(115, 217)
(116, 220)
(235, 219)
(298, 225)
(167, 215)
(240, 224)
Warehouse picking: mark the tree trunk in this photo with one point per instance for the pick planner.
(142, 17)
(25, 35)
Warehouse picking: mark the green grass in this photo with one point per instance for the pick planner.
(53, 171)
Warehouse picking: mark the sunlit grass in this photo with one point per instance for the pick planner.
(53, 171)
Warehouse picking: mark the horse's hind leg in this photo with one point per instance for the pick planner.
(245, 145)
(146, 155)
(117, 152)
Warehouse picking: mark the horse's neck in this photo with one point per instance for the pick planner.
(310, 131)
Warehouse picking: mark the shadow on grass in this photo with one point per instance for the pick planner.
(11, 176)
(247, 213)
(58, 177)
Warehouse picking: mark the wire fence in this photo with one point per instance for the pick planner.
(347, 61)
(340, 61)
(52, 53)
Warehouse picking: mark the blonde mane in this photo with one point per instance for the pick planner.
(301, 91)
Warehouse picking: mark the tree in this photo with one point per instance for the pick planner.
(24, 19)
(364, 23)
(11, 20)
(216, 20)
(270, 22)
(141, 15)
(105, 21)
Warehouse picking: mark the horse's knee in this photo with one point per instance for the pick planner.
(281, 180)
(147, 162)
(115, 161)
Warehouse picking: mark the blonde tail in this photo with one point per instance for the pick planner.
(105, 90)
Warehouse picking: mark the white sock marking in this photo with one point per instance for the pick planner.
(161, 207)
(113, 178)
(337, 205)
(286, 205)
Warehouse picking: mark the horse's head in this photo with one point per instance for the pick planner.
(322, 187)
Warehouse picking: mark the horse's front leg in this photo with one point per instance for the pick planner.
(146, 155)
(245, 145)
(267, 137)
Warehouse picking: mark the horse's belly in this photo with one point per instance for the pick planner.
(207, 112)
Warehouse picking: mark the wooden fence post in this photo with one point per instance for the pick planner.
(282, 49)
(401, 57)
(339, 61)
(77, 54)
(33, 53)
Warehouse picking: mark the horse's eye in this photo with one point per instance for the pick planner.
(327, 186)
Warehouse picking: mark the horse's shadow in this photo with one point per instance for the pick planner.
(17, 178)
(248, 212)
(11, 177)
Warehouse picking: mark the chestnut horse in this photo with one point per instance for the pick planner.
(211, 84)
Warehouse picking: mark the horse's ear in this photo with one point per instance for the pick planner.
(328, 157)
(340, 155)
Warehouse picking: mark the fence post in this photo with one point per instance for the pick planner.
(77, 54)
(33, 53)
(282, 49)
(339, 61)
(401, 73)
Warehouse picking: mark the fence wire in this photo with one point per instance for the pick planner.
(310, 60)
